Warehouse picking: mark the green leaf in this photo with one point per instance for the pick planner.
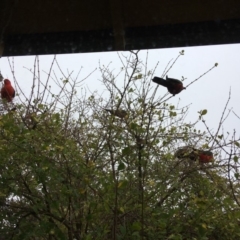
(173, 114)
(130, 90)
(204, 112)
(237, 144)
(122, 184)
(136, 226)
(121, 166)
(204, 225)
(40, 106)
(133, 126)
(126, 151)
(123, 229)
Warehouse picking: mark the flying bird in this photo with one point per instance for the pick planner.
(118, 113)
(7, 91)
(174, 86)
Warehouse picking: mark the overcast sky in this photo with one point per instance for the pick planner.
(210, 92)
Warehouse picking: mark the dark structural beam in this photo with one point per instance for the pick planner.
(183, 35)
(30, 27)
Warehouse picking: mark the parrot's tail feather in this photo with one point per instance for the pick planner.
(160, 81)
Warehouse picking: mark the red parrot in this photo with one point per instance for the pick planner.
(194, 154)
(205, 156)
(174, 86)
(7, 91)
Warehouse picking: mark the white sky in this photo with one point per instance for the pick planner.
(210, 92)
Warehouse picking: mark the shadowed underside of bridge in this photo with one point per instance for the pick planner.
(29, 27)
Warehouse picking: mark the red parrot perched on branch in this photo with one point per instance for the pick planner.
(205, 156)
(7, 91)
(174, 86)
(194, 154)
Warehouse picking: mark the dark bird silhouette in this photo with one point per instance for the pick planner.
(194, 154)
(118, 113)
(174, 86)
(7, 91)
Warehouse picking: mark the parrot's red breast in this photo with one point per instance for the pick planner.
(7, 91)
(205, 157)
